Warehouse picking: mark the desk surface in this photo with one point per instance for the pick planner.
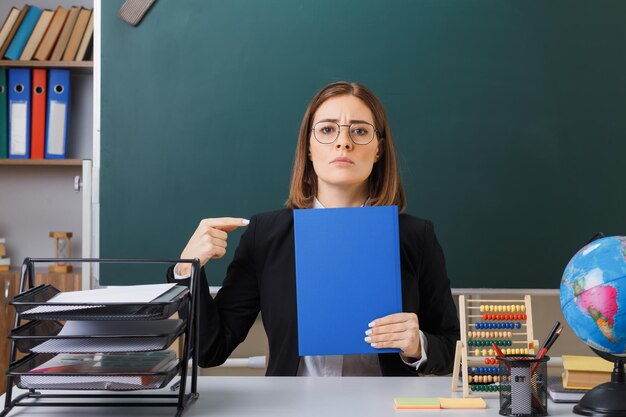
(301, 396)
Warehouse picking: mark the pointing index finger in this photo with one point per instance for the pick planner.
(228, 224)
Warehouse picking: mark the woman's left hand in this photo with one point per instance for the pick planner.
(399, 330)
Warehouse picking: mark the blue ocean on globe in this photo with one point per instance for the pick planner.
(593, 294)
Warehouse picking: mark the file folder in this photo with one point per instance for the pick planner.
(23, 33)
(347, 274)
(19, 113)
(38, 114)
(57, 113)
(4, 115)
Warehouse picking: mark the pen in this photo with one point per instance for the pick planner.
(557, 324)
(497, 350)
(500, 354)
(547, 347)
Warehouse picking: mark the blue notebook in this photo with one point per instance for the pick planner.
(347, 274)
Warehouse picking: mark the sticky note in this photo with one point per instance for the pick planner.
(402, 403)
(462, 403)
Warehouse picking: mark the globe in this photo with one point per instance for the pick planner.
(593, 294)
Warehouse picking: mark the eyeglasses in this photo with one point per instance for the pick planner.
(361, 133)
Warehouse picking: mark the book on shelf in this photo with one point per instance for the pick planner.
(23, 33)
(37, 35)
(44, 50)
(64, 37)
(8, 24)
(13, 31)
(77, 35)
(85, 43)
(585, 372)
(559, 394)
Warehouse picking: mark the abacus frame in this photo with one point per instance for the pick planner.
(468, 320)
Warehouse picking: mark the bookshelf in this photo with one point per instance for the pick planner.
(39, 196)
(78, 66)
(42, 162)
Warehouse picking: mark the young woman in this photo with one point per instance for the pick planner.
(344, 158)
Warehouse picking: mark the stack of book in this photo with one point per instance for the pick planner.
(559, 394)
(581, 374)
(4, 261)
(46, 35)
(585, 372)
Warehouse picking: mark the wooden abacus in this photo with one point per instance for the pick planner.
(507, 323)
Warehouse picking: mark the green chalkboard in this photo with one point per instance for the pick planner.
(509, 118)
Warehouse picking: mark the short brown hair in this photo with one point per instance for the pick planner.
(385, 188)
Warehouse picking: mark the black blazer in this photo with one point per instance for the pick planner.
(261, 277)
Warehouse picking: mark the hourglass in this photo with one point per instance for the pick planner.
(62, 249)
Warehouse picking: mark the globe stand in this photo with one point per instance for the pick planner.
(608, 399)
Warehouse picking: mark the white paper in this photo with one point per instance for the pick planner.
(55, 139)
(54, 309)
(132, 344)
(38, 381)
(118, 327)
(105, 328)
(113, 294)
(18, 128)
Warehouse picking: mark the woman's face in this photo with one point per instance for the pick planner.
(342, 162)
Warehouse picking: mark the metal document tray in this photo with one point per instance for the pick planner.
(42, 336)
(33, 305)
(111, 381)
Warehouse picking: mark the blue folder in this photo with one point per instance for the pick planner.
(347, 274)
(57, 109)
(19, 113)
(23, 33)
(4, 115)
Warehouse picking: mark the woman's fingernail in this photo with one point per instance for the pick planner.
(367, 332)
(373, 344)
(368, 339)
(371, 323)
(245, 221)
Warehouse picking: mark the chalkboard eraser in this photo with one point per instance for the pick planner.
(132, 11)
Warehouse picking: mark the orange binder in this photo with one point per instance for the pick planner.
(38, 114)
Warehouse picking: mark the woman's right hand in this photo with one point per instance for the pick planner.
(209, 241)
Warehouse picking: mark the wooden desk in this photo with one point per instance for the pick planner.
(297, 396)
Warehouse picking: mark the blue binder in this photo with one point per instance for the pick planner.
(57, 111)
(23, 33)
(19, 113)
(347, 274)
(4, 114)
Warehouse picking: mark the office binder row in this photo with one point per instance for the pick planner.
(34, 112)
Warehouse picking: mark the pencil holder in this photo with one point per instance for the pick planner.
(523, 385)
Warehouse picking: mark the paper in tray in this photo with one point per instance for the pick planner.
(111, 371)
(34, 305)
(96, 336)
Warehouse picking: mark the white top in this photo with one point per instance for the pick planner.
(226, 396)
